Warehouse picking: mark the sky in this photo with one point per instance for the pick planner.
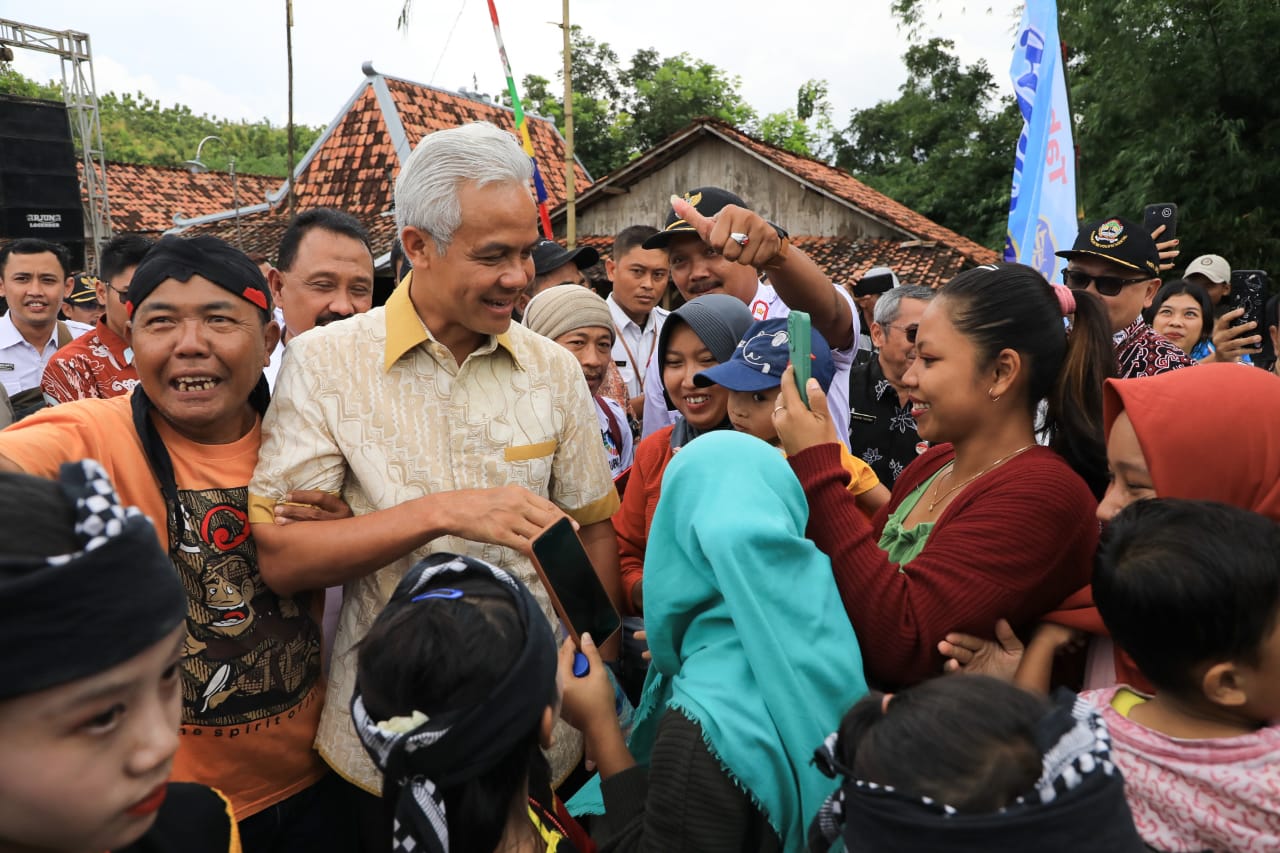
(227, 59)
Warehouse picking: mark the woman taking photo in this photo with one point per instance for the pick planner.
(986, 523)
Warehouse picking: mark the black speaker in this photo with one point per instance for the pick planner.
(39, 184)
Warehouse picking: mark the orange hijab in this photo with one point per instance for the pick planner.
(1209, 432)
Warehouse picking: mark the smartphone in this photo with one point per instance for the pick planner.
(575, 589)
(1249, 289)
(800, 343)
(1165, 213)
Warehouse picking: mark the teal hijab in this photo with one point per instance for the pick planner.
(748, 634)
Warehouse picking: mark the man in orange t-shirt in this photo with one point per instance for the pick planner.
(182, 447)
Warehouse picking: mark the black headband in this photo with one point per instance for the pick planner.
(181, 258)
(71, 616)
(420, 755)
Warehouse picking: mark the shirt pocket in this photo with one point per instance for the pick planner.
(524, 452)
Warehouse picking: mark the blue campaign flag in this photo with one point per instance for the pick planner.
(1042, 208)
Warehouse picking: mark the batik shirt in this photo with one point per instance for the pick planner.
(93, 366)
(1141, 351)
(881, 432)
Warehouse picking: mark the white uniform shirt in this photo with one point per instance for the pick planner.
(273, 367)
(21, 364)
(630, 340)
(766, 305)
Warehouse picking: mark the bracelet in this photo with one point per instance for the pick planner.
(780, 258)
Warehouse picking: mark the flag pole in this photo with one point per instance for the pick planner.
(522, 126)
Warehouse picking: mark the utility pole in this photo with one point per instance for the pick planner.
(571, 223)
(288, 43)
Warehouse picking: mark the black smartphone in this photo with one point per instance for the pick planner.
(1249, 289)
(573, 585)
(1165, 213)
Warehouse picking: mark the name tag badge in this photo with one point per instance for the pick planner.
(8, 368)
(855, 415)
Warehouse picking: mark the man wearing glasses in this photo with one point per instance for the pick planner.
(99, 364)
(1119, 261)
(881, 430)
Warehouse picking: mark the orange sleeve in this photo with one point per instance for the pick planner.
(629, 523)
(861, 476)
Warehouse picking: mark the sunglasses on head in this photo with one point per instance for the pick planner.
(1107, 285)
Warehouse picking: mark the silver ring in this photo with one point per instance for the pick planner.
(777, 409)
(740, 238)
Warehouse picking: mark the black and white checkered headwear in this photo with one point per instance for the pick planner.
(74, 615)
(420, 755)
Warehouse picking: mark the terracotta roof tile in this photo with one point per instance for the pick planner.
(844, 261)
(355, 166)
(144, 199)
(844, 185)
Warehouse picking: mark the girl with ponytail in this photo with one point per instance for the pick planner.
(988, 521)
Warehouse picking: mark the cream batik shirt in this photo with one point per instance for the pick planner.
(377, 410)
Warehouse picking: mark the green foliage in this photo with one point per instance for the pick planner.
(1177, 102)
(138, 129)
(941, 148)
(620, 111)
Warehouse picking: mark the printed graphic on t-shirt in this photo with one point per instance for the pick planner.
(612, 451)
(249, 654)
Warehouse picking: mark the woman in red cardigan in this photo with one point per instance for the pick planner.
(986, 523)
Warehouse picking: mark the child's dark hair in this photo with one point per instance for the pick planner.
(1011, 306)
(964, 741)
(1196, 292)
(437, 655)
(36, 518)
(1181, 584)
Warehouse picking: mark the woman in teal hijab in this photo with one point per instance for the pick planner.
(754, 662)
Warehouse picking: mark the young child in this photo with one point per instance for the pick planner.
(972, 764)
(752, 377)
(457, 735)
(93, 621)
(1191, 591)
(579, 320)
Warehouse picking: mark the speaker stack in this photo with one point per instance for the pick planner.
(39, 184)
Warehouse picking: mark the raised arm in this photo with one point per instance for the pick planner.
(799, 281)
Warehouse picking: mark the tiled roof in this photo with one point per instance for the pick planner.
(835, 183)
(844, 185)
(144, 199)
(844, 261)
(354, 163)
(424, 109)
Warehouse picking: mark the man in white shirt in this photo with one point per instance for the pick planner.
(795, 281)
(639, 278)
(33, 281)
(323, 273)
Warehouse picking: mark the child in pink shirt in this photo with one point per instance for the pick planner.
(1191, 591)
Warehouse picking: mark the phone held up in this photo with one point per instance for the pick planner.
(1249, 289)
(800, 343)
(576, 592)
(1165, 213)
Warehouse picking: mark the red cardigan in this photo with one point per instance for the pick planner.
(1013, 545)
(632, 520)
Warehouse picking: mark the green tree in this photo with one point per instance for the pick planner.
(679, 90)
(944, 147)
(139, 129)
(1177, 102)
(807, 129)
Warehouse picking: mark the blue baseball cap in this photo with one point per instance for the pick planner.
(761, 356)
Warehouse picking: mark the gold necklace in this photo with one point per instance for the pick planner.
(937, 500)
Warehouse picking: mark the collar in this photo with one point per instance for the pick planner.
(1129, 331)
(111, 340)
(622, 321)
(10, 336)
(405, 329)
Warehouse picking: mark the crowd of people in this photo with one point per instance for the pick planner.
(983, 583)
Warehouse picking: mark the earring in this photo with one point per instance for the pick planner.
(995, 398)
